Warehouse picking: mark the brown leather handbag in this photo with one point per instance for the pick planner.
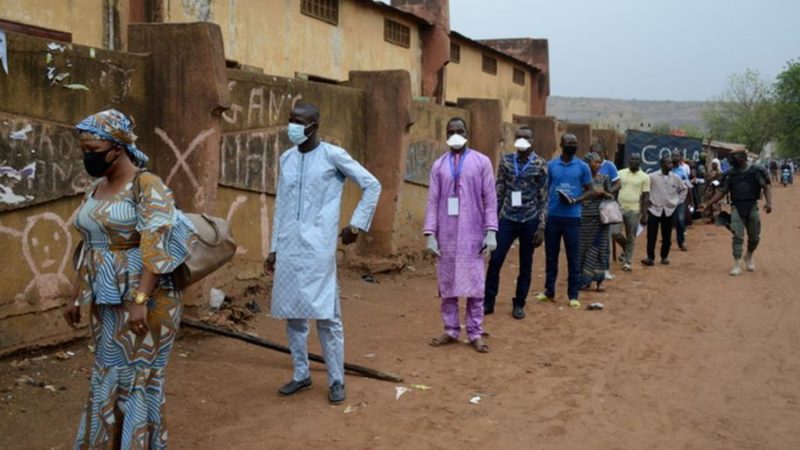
(214, 247)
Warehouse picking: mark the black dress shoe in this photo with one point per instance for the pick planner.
(648, 262)
(336, 394)
(518, 312)
(665, 261)
(488, 310)
(294, 387)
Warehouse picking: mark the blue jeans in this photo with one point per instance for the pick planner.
(570, 229)
(680, 224)
(510, 230)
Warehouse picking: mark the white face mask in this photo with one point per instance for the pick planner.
(522, 144)
(456, 141)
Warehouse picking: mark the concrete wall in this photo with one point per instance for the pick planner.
(42, 177)
(467, 79)
(82, 18)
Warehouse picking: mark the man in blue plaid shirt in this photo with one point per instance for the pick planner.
(522, 202)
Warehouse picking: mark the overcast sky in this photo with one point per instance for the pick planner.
(643, 49)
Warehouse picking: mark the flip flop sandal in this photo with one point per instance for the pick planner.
(479, 346)
(444, 339)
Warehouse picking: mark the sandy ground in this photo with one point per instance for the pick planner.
(684, 356)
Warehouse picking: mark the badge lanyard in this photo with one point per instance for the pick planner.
(452, 202)
(456, 172)
(516, 166)
(516, 196)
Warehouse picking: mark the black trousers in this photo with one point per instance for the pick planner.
(524, 231)
(665, 223)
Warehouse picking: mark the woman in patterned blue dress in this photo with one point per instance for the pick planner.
(133, 237)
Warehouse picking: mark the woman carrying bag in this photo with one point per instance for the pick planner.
(593, 250)
(133, 238)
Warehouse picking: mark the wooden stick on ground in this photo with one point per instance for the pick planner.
(361, 370)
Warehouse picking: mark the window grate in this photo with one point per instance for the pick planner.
(324, 10)
(455, 53)
(396, 33)
(519, 76)
(489, 65)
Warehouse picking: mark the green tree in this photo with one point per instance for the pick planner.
(693, 131)
(660, 128)
(787, 95)
(744, 113)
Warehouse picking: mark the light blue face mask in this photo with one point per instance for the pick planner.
(297, 133)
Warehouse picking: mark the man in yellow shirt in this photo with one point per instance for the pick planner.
(633, 198)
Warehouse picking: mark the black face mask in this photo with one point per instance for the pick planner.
(570, 150)
(96, 164)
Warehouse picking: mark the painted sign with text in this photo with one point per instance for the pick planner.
(653, 146)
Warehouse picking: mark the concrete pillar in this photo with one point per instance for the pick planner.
(389, 114)
(608, 139)
(545, 133)
(189, 90)
(485, 125)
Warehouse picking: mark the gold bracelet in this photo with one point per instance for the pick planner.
(140, 298)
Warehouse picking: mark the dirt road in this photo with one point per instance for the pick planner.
(684, 356)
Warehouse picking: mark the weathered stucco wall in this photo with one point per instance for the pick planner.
(82, 18)
(466, 79)
(277, 37)
(41, 173)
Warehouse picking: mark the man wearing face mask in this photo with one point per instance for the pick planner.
(522, 200)
(461, 223)
(570, 182)
(303, 247)
(744, 182)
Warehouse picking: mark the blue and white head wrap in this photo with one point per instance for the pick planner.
(114, 126)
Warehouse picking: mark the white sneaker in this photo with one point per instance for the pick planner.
(748, 261)
(737, 269)
(608, 275)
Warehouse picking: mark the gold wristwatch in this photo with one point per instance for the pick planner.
(140, 298)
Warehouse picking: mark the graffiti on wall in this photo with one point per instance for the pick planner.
(39, 162)
(419, 160)
(249, 159)
(264, 106)
(46, 244)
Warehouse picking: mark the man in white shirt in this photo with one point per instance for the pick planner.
(667, 191)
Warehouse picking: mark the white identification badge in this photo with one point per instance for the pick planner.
(516, 198)
(452, 206)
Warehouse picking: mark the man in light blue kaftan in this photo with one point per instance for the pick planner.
(303, 248)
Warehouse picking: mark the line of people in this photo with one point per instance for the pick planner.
(135, 237)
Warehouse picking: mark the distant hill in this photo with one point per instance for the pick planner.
(641, 114)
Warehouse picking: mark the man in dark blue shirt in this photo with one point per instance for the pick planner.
(570, 182)
(522, 205)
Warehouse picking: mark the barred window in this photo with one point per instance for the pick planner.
(519, 76)
(396, 33)
(455, 53)
(325, 10)
(489, 65)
